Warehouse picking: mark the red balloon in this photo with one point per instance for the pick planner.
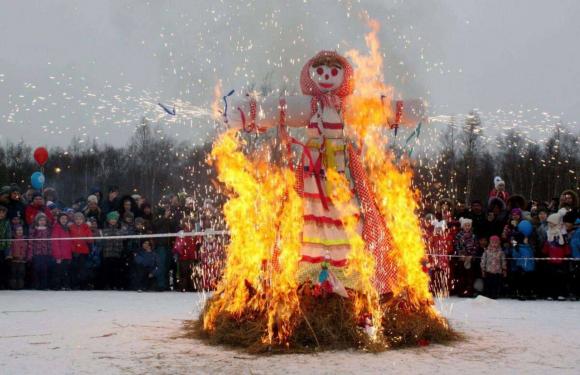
(41, 156)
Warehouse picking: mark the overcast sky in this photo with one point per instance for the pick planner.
(93, 69)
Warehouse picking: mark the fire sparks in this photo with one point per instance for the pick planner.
(217, 97)
(265, 217)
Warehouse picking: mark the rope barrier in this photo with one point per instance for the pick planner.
(180, 234)
(478, 257)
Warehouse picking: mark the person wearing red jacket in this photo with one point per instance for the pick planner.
(36, 207)
(61, 252)
(187, 251)
(80, 251)
(556, 248)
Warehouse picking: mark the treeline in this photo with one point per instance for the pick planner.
(465, 167)
(153, 164)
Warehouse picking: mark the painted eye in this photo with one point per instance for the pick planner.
(319, 71)
(334, 72)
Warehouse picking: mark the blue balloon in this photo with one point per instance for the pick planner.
(525, 227)
(37, 180)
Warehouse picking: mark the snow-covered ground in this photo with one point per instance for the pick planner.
(135, 333)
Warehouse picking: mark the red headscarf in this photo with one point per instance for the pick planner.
(337, 96)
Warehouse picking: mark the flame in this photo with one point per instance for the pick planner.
(366, 108)
(392, 186)
(216, 111)
(264, 214)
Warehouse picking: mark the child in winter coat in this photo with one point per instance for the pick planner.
(493, 267)
(187, 251)
(80, 251)
(556, 248)
(465, 246)
(113, 253)
(145, 268)
(523, 267)
(5, 235)
(40, 252)
(17, 254)
(62, 253)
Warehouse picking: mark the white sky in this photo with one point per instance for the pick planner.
(92, 69)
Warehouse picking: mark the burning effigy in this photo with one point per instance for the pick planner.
(326, 248)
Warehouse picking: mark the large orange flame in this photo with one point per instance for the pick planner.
(264, 215)
(367, 113)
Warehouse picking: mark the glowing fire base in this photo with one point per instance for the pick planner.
(326, 322)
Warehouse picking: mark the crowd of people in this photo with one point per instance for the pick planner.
(505, 246)
(112, 241)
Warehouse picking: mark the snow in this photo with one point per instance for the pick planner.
(135, 333)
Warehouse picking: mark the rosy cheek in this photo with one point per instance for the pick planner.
(334, 72)
(319, 71)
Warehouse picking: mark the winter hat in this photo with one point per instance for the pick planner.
(494, 239)
(554, 219)
(464, 221)
(516, 211)
(50, 205)
(92, 198)
(38, 217)
(113, 215)
(498, 181)
(5, 190)
(136, 197)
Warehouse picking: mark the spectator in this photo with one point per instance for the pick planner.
(39, 252)
(92, 210)
(112, 202)
(542, 225)
(5, 195)
(569, 201)
(493, 267)
(113, 254)
(524, 267)
(5, 236)
(571, 223)
(128, 204)
(36, 207)
(17, 254)
(146, 267)
(465, 246)
(187, 250)
(62, 253)
(94, 259)
(499, 190)
(15, 206)
(556, 248)
(478, 217)
(162, 224)
(80, 252)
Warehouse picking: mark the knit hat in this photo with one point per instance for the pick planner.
(497, 181)
(516, 211)
(494, 239)
(113, 215)
(464, 221)
(554, 219)
(50, 205)
(92, 198)
(5, 190)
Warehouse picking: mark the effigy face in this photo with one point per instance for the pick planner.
(327, 77)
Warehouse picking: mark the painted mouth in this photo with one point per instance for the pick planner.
(326, 85)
